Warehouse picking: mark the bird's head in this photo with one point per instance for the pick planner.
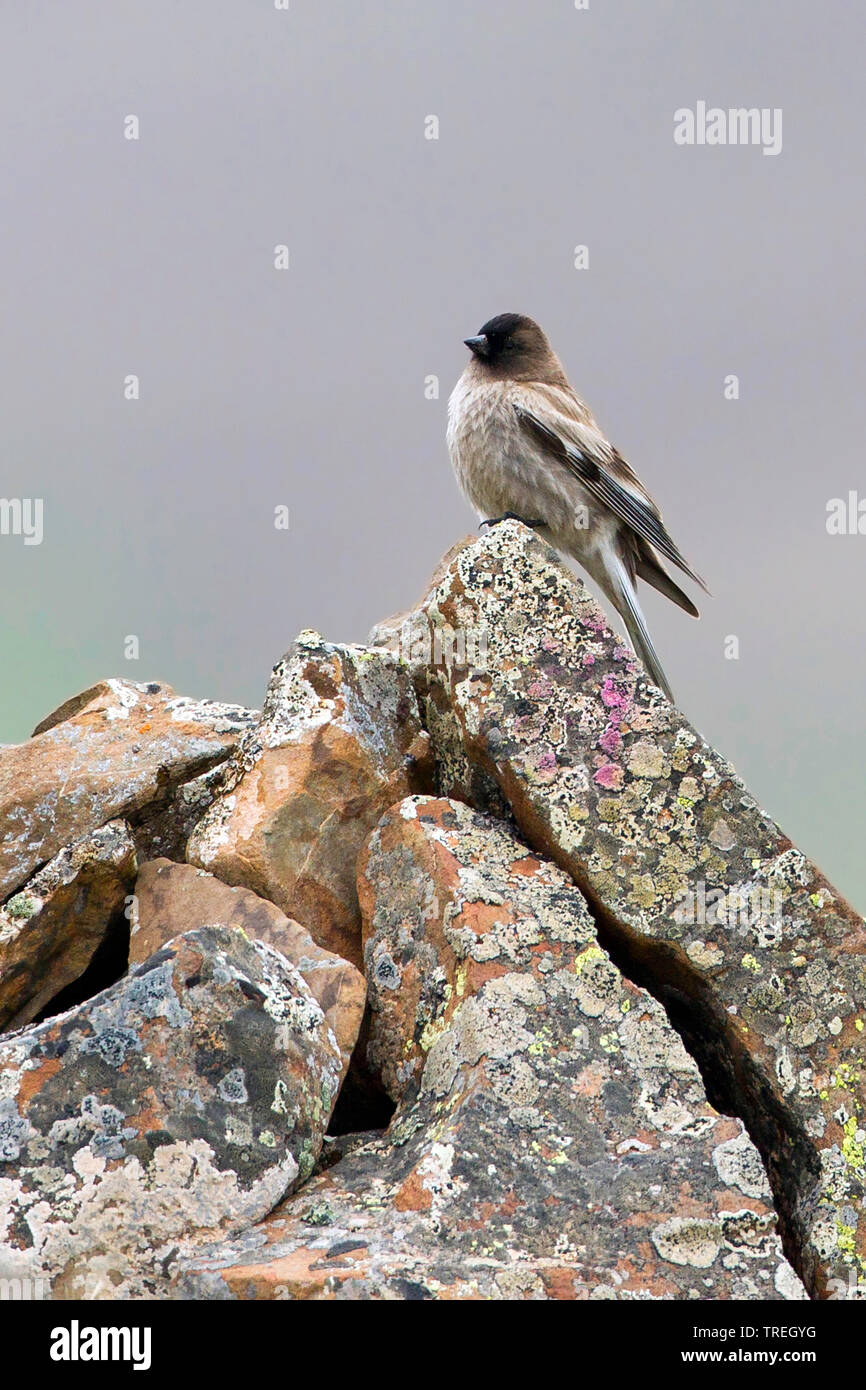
(513, 346)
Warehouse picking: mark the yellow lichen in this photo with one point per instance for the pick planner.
(541, 1042)
(586, 958)
(852, 1147)
(434, 1029)
(845, 1237)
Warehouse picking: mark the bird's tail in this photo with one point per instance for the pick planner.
(625, 598)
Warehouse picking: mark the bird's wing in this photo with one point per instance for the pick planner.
(558, 421)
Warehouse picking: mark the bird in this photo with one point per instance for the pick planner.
(523, 445)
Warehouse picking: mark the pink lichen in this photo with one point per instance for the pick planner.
(611, 739)
(610, 776)
(612, 696)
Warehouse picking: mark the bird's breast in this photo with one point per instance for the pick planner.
(485, 444)
(501, 469)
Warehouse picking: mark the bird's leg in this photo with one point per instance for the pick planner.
(512, 516)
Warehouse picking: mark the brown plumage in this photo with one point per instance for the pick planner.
(524, 444)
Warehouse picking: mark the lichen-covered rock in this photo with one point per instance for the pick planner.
(162, 829)
(420, 644)
(174, 898)
(105, 754)
(51, 928)
(553, 1139)
(187, 1099)
(339, 740)
(698, 889)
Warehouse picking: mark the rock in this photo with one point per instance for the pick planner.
(553, 1138)
(105, 754)
(611, 782)
(610, 1041)
(421, 643)
(171, 899)
(336, 1147)
(339, 740)
(185, 1100)
(162, 829)
(52, 927)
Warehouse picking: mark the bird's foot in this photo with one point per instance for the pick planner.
(512, 516)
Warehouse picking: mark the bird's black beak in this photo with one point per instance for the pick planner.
(480, 345)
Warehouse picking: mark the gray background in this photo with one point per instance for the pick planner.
(306, 387)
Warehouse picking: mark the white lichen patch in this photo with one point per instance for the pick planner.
(686, 1241)
(739, 1165)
